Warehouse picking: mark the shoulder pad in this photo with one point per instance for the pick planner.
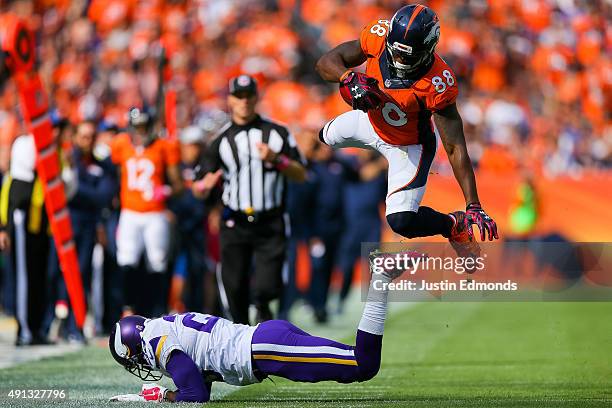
(438, 88)
(372, 37)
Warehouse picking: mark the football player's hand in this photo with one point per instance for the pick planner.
(203, 187)
(160, 193)
(5, 241)
(364, 91)
(265, 153)
(153, 392)
(476, 215)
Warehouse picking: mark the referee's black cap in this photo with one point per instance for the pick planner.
(243, 84)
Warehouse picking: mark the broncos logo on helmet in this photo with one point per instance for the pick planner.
(412, 39)
(126, 346)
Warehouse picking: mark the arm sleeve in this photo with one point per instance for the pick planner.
(211, 161)
(187, 378)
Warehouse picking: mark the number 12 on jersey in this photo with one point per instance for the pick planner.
(139, 176)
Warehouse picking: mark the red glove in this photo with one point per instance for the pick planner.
(361, 91)
(474, 214)
(153, 392)
(160, 193)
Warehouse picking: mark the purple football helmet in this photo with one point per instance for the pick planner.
(126, 346)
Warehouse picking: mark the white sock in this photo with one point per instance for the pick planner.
(375, 310)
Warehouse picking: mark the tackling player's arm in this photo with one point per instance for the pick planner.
(335, 63)
(450, 126)
(187, 378)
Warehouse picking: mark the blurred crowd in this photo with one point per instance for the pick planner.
(535, 76)
(535, 94)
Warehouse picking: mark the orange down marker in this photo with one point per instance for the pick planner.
(17, 42)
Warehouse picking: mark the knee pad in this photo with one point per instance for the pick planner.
(402, 223)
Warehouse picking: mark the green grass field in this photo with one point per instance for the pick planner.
(434, 354)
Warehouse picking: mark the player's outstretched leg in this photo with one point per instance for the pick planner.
(282, 349)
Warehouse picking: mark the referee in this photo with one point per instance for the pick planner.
(255, 157)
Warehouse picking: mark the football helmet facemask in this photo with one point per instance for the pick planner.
(125, 343)
(411, 40)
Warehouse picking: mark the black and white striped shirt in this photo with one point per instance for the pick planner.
(249, 184)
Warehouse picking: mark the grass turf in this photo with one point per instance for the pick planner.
(434, 354)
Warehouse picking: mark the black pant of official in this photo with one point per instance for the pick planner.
(29, 257)
(244, 244)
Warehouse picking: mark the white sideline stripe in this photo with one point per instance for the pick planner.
(222, 293)
(22, 274)
(39, 120)
(303, 349)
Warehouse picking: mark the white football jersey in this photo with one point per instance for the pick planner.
(215, 345)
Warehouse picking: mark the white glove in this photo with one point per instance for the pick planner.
(149, 393)
(127, 398)
(153, 392)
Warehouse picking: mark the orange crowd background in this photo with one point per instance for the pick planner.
(535, 76)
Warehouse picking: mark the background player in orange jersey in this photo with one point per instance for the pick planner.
(406, 83)
(145, 162)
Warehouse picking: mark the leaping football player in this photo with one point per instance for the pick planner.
(406, 83)
(196, 349)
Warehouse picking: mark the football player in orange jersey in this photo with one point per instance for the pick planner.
(406, 83)
(145, 163)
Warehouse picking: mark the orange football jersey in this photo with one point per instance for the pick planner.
(404, 117)
(143, 169)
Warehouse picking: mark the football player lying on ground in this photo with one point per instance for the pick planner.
(196, 349)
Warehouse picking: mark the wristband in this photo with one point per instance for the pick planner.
(199, 185)
(281, 162)
(160, 193)
(473, 206)
(345, 75)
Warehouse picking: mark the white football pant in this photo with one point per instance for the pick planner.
(138, 231)
(408, 165)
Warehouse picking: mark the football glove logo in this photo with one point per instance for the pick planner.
(361, 91)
